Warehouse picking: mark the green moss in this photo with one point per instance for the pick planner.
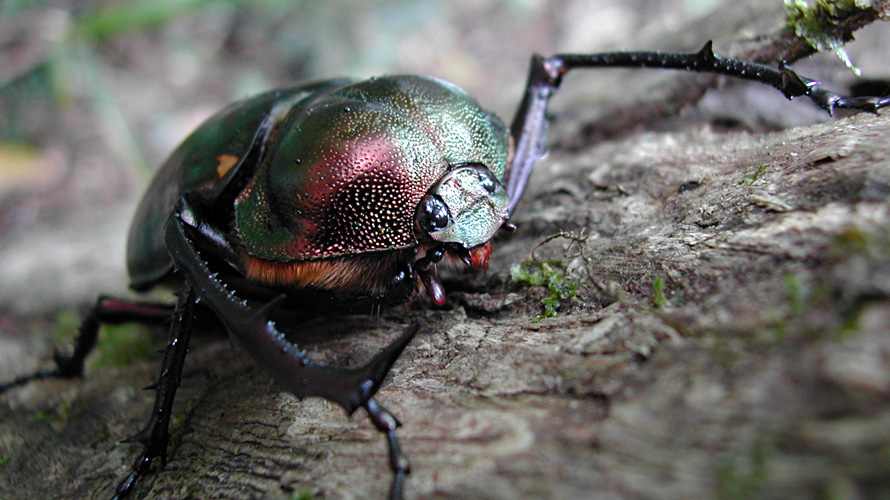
(64, 325)
(5, 460)
(56, 417)
(122, 345)
(118, 345)
(848, 242)
(814, 23)
(751, 179)
(852, 247)
(550, 274)
(743, 477)
(45, 416)
(658, 298)
(797, 307)
(795, 294)
(302, 495)
(850, 324)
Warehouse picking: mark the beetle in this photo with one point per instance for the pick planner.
(343, 194)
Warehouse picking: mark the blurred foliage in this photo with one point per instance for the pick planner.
(813, 23)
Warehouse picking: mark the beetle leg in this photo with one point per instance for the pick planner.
(398, 462)
(155, 435)
(253, 330)
(529, 128)
(106, 310)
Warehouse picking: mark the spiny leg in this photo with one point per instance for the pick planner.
(529, 127)
(252, 329)
(106, 310)
(155, 436)
(706, 60)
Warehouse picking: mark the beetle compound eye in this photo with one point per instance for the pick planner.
(432, 214)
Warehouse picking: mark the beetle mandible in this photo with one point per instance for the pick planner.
(344, 194)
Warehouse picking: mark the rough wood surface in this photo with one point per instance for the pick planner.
(729, 338)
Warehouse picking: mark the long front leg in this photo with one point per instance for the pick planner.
(252, 329)
(155, 436)
(529, 128)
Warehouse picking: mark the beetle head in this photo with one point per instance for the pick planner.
(466, 207)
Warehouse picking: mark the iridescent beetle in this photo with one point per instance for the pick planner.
(344, 194)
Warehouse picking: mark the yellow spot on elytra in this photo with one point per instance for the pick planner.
(226, 162)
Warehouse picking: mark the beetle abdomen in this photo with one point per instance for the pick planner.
(374, 274)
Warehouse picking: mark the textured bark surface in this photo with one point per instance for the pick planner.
(727, 338)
